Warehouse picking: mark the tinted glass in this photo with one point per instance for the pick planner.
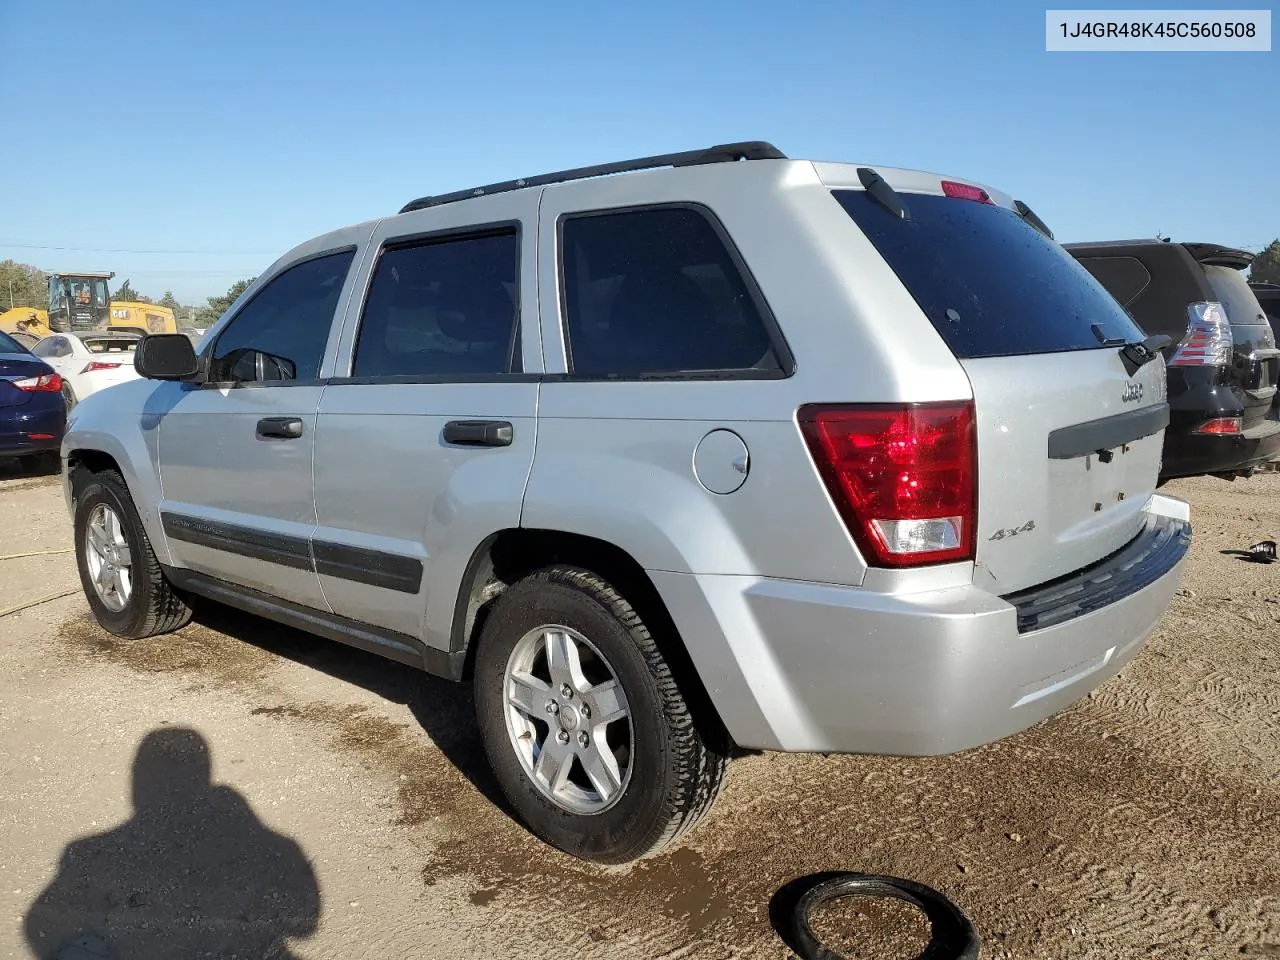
(442, 309)
(1269, 300)
(109, 345)
(10, 345)
(281, 333)
(656, 292)
(1232, 290)
(44, 348)
(991, 285)
(1124, 277)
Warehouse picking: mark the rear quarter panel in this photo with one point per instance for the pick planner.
(615, 459)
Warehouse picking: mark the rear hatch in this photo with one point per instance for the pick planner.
(1255, 368)
(1069, 438)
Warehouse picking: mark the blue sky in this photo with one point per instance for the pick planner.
(236, 129)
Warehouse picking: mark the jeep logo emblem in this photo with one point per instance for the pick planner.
(1132, 393)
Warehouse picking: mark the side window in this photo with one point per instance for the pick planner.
(52, 347)
(657, 292)
(281, 333)
(442, 308)
(1124, 277)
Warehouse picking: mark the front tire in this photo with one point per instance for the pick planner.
(122, 580)
(584, 725)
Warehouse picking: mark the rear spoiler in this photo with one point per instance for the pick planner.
(1216, 255)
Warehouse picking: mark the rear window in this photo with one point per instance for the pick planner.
(1232, 291)
(109, 345)
(10, 345)
(991, 284)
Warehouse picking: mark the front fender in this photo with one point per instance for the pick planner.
(123, 422)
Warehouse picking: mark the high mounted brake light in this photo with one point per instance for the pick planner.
(1208, 341)
(902, 476)
(965, 191)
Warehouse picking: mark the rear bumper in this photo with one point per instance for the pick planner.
(1193, 454)
(819, 668)
(17, 424)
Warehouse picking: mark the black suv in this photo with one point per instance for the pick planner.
(1223, 363)
(1268, 295)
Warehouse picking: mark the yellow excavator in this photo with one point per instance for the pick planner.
(142, 317)
(79, 302)
(25, 324)
(82, 301)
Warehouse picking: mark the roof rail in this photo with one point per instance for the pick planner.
(722, 153)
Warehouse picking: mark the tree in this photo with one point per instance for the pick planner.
(170, 301)
(126, 294)
(22, 285)
(1266, 265)
(217, 306)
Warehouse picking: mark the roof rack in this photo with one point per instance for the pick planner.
(721, 153)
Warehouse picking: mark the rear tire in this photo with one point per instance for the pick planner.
(69, 399)
(122, 580)
(664, 776)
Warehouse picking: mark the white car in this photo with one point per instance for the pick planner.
(88, 362)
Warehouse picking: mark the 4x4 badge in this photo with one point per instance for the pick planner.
(1013, 531)
(1132, 393)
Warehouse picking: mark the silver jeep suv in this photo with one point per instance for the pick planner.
(667, 458)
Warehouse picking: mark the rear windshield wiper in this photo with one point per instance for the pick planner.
(878, 189)
(1029, 215)
(1103, 339)
(1136, 355)
(1133, 354)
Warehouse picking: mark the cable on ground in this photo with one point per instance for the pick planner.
(37, 601)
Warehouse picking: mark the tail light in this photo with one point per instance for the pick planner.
(49, 383)
(903, 477)
(965, 191)
(1221, 426)
(1208, 341)
(93, 365)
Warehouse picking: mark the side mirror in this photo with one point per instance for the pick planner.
(166, 356)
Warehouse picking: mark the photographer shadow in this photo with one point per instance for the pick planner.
(193, 872)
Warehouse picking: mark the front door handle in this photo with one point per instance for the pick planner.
(279, 428)
(479, 433)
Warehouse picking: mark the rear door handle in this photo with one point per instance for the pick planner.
(479, 433)
(279, 428)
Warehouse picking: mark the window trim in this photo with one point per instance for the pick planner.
(778, 340)
(428, 238)
(206, 355)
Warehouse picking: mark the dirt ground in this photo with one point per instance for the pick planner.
(350, 814)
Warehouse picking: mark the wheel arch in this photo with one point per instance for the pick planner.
(509, 555)
(94, 453)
